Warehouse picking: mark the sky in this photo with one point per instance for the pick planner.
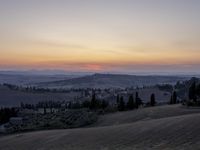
(100, 35)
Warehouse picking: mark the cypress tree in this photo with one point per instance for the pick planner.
(121, 106)
(171, 100)
(174, 97)
(198, 90)
(118, 99)
(153, 100)
(192, 92)
(93, 104)
(138, 101)
(130, 104)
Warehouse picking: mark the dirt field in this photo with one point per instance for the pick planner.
(164, 127)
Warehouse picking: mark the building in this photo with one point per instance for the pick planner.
(16, 120)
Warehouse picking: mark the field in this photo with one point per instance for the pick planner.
(163, 127)
(59, 120)
(14, 98)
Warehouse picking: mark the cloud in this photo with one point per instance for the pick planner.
(48, 43)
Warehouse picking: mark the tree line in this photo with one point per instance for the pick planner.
(194, 94)
(6, 114)
(134, 102)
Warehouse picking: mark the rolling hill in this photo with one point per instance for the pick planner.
(10, 97)
(112, 81)
(154, 128)
(30, 79)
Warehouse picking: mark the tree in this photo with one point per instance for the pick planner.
(138, 101)
(104, 104)
(174, 97)
(121, 105)
(171, 100)
(118, 99)
(192, 92)
(86, 104)
(153, 100)
(93, 104)
(22, 105)
(76, 105)
(130, 103)
(6, 114)
(136, 95)
(45, 110)
(69, 106)
(198, 90)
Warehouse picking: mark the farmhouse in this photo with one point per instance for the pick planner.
(16, 120)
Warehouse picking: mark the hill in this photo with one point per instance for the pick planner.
(30, 79)
(179, 130)
(112, 81)
(10, 97)
(144, 114)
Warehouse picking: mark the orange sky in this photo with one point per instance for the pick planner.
(92, 36)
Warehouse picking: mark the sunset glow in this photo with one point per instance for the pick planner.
(100, 35)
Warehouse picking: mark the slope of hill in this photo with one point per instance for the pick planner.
(31, 79)
(144, 114)
(112, 81)
(176, 131)
(9, 97)
(14, 98)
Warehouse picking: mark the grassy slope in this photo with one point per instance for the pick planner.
(144, 114)
(144, 129)
(14, 98)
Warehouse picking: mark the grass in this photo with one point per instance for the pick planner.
(162, 127)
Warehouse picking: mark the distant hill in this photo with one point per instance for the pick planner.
(112, 81)
(30, 79)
